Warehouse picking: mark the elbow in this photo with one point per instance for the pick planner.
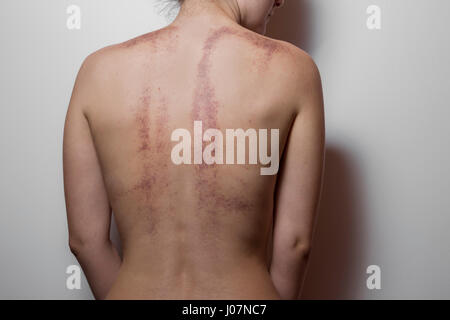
(80, 244)
(301, 248)
(289, 265)
(76, 245)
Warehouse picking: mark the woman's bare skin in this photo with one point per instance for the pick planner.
(193, 231)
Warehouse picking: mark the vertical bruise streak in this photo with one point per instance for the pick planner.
(205, 102)
(206, 107)
(143, 122)
(153, 132)
(162, 130)
(153, 135)
(146, 182)
(147, 179)
(143, 126)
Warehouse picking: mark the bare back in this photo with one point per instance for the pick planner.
(197, 231)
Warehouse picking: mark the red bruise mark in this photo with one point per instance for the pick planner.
(143, 121)
(269, 46)
(152, 119)
(233, 204)
(152, 37)
(147, 211)
(151, 124)
(205, 102)
(145, 185)
(206, 107)
(162, 120)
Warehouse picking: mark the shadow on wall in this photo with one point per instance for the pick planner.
(334, 270)
(291, 23)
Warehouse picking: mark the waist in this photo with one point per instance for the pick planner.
(241, 280)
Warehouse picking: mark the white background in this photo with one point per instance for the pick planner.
(387, 179)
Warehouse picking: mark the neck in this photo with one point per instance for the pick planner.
(208, 12)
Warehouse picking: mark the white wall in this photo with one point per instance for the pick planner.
(387, 171)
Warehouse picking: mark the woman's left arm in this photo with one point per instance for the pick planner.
(87, 205)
